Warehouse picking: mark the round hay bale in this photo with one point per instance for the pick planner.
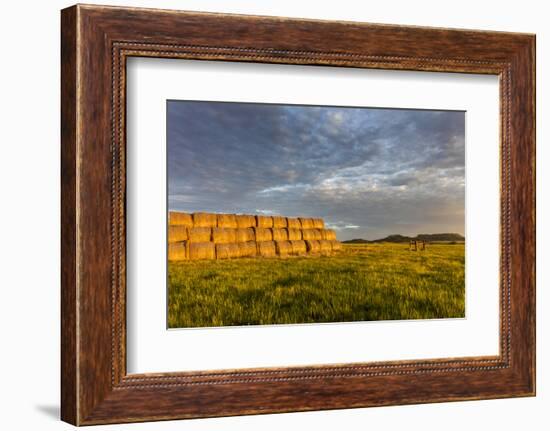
(244, 234)
(280, 234)
(227, 220)
(325, 246)
(266, 248)
(293, 223)
(264, 221)
(202, 250)
(227, 251)
(336, 245)
(205, 220)
(307, 223)
(328, 234)
(311, 234)
(247, 249)
(307, 234)
(177, 233)
(318, 223)
(313, 246)
(294, 234)
(298, 247)
(244, 220)
(180, 219)
(223, 235)
(283, 248)
(199, 234)
(178, 251)
(279, 222)
(263, 234)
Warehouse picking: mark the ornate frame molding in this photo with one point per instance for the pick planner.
(96, 41)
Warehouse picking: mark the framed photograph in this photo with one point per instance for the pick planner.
(338, 171)
(264, 214)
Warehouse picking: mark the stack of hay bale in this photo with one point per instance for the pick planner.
(223, 236)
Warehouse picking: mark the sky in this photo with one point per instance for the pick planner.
(367, 172)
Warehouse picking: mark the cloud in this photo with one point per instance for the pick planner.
(283, 189)
(368, 172)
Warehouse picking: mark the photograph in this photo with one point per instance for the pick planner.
(276, 211)
(298, 214)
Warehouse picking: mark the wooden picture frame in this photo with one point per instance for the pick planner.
(95, 43)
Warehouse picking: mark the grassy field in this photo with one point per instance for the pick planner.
(362, 282)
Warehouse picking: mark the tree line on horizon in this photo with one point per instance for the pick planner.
(429, 237)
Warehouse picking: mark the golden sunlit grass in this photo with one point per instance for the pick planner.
(361, 282)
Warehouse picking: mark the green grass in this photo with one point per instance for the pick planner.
(362, 282)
